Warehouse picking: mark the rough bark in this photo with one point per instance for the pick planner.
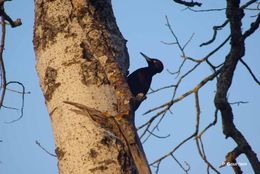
(234, 14)
(82, 61)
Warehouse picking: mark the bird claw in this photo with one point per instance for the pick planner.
(137, 100)
(140, 97)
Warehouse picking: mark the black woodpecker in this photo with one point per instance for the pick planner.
(140, 80)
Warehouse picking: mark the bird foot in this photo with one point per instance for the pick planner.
(140, 97)
(137, 100)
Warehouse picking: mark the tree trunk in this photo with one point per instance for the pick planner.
(82, 61)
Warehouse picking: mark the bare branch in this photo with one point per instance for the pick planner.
(205, 58)
(3, 73)
(157, 136)
(157, 166)
(8, 107)
(179, 69)
(215, 29)
(248, 4)
(181, 166)
(197, 106)
(231, 159)
(210, 125)
(218, 48)
(162, 88)
(168, 43)
(174, 35)
(253, 28)
(206, 10)
(13, 24)
(22, 105)
(16, 23)
(238, 103)
(49, 153)
(150, 124)
(18, 92)
(188, 4)
(250, 71)
(201, 151)
(189, 40)
(237, 51)
(173, 150)
(228, 66)
(200, 145)
(198, 86)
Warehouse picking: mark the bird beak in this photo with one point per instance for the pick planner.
(148, 59)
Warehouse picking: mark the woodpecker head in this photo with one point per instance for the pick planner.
(155, 64)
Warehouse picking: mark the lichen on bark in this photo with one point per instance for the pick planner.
(50, 82)
(93, 73)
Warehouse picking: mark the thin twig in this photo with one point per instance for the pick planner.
(22, 106)
(12, 108)
(157, 166)
(188, 41)
(206, 10)
(254, 26)
(215, 31)
(238, 103)
(200, 146)
(4, 83)
(155, 127)
(216, 28)
(247, 4)
(49, 153)
(181, 166)
(188, 4)
(210, 125)
(174, 35)
(3, 73)
(168, 43)
(157, 136)
(173, 150)
(210, 53)
(201, 151)
(198, 86)
(181, 48)
(162, 88)
(18, 92)
(250, 71)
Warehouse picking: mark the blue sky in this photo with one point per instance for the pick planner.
(143, 25)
